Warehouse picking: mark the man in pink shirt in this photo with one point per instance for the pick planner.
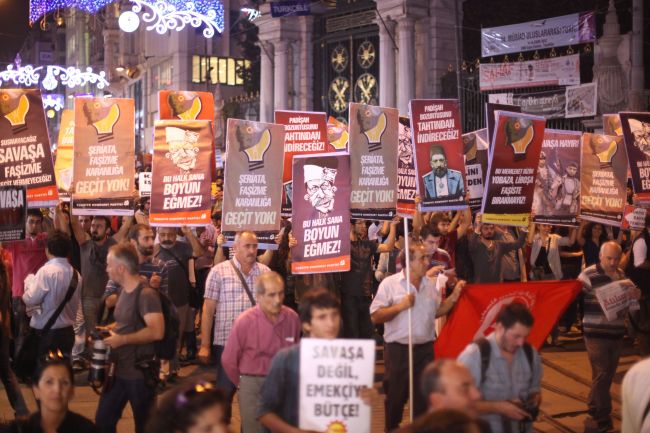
(28, 256)
(257, 335)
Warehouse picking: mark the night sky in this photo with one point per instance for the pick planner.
(14, 24)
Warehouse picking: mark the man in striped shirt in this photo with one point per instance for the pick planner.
(228, 293)
(603, 337)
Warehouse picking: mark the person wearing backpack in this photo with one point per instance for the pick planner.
(139, 323)
(507, 370)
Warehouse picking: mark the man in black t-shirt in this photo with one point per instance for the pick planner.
(181, 280)
(131, 341)
(356, 284)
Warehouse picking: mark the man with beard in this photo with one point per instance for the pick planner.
(181, 278)
(507, 370)
(487, 251)
(152, 270)
(93, 251)
(442, 181)
(319, 175)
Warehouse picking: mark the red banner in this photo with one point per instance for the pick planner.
(475, 314)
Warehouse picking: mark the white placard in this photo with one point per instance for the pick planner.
(581, 101)
(554, 71)
(144, 183)
(332, 373)
(561, 31)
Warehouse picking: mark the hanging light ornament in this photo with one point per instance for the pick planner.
(68, 76)
(163, 16)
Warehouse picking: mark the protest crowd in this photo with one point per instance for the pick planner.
(383, 247)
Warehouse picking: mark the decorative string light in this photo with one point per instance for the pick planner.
(39, 8)
(68, 76)
(252, 14)
(54, 101)
(163, 16)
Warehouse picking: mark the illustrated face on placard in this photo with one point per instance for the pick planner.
(641, 132)
(615, 124)
(438, 160)
(603, 149)
(572, 169)
(185, 105)
(404, 148)
(254, 142)
(320, 175)
(288, 191)
(372, 122)
(102, 115)
(519, 133)
(182, 147)
(14, 106)
(469, 147)
(337, 134)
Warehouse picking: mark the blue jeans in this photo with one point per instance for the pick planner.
(111, 404)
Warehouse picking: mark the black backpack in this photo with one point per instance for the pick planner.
(166, 347)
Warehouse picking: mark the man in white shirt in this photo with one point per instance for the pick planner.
(390, 306)
(47, 291)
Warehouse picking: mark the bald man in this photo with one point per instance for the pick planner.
(603, 337)
(448, 384)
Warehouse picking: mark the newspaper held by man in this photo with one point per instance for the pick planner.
(616, 298)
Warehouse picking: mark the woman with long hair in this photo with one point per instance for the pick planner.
(53, 388)
(590, 237)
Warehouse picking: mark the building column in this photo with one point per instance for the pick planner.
(406, 63)
(637, 102)
(306, 77)
(280, 76)
(422, 58)
(387, 63)
(266, 81)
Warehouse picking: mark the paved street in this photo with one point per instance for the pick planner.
(565, 389)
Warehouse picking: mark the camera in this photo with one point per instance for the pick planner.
(99, 359)
(532, 409)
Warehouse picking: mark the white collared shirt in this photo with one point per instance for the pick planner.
(423, 313)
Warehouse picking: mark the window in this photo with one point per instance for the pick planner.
(161, 76)
(223, 70)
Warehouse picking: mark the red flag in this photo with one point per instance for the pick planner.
(477, 309)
